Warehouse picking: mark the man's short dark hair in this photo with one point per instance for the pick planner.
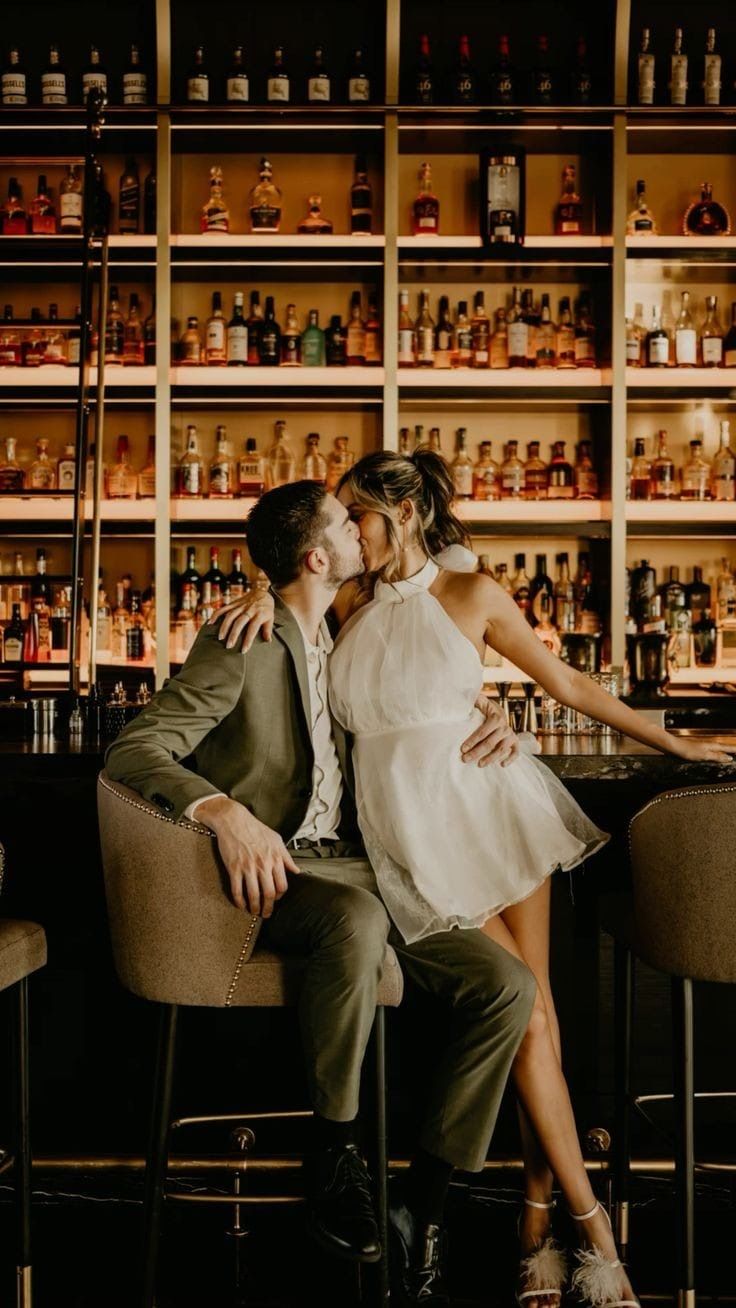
(283, 527)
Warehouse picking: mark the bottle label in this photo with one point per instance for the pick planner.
(238, 88)
(633, 350)
(462, 476)
(190, 478)
(9, 356)
(53, 88)
(678, 79)
(319, 88)
(215, 340)
(265, 218)
(129, 206)
(584, 352)
(373, 347)
(92, 80)
(587, 484)
(686, 343)
(359, 88)
(518, 335)
(278, 88)
(646, 79)
(465, 88)
(220, 479)
(72, 352)
(512, 480)
(65, 475)
(712, 349)
(114, 341)
(14, 88)
(237, 344)
(425, 90)
(504, 87)
(425, 345)
(135, 87)
(406, 346)
(198, 89)
(643, 223)
(70, 209)
(659, 350)
(729, 359)
(712, 80)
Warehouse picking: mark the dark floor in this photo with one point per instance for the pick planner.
(86, 1235)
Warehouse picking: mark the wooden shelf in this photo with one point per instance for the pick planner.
(550, 243)
(285, 241)
(655, 245)
(674, 511)
(702, 676)
(303, 379)
(117, 378)
(681, 379)
(535, 512)
(490, 379)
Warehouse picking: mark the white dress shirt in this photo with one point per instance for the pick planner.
(322, 817)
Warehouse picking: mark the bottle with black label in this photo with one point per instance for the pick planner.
(361, 200)
(465, 77)
(13, 638)
(424, 79)
(149, 204)
(237, 335)
(270, 343)
(129, 209)
(543, 88)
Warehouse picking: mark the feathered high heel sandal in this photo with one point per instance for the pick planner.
(543, 1272)
(598, 1281)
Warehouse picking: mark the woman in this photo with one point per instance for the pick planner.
(465, 847)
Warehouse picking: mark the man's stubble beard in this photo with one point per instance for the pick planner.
(341, 570)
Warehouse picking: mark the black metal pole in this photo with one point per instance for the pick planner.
(624, 988)
(153, 1196)
(23, 1143)
(683, 1054)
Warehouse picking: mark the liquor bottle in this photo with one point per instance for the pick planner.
(486, 475)
(255, 327)
(190, 576)
(541, 586)
(280, 460)
(424, 333)
(426, 207)
(33, 345)
(586, 477)
(686, 337)
(114, 330)
(147, 474)
(729, 344)
(315, 223)
(11, 355)
(545, 628)
(336, 343)
(14, 80)
(725, 589)
(277, 87)
(356, 332)
(461, 467)
(318, 83)
(646, 69)
(13, 638)
(404, 442)
(503, 83)
(373, 334)
(564, 596)
(265, 202)
(198, 79)
(184, 629)
(339, 462)
(560, 474)
(222, 468)
(546, 337)
(407, 350)
(565, 344)
(706, 216)
(585, 351)
(705, 635)
(711, 335)
(678, 83)
(134, 634)
(94, 76)
(215, 213)
(711, 84)
(149, 339)
(14, 216)
(641, 473)
(696, 474)
(133, 352)
(215, 335)
(11, 474)
(723, 468)
(663, 475)
(135, 79)
(581, 88)
(518, 333)
(43, 213)
(587, 604)
(236, 333)
(512, 473)
(149, 204)
(102, 204)
(673, 597)
(122, 481)
(191, 347)
(237, 86)
(54, 345)
(434, 442)
(205, 608)
(641, 220)
(361, 200)
(535, 474)
(314, 467)
(251, 471)
(569, 210)
(237, 582)
(698, 595)
(462, 344)
(424, 78)
(71, 202)
(543, 90)
(499, 346)
(129, 206)
(520, 584)
(502, 207)
(291, 339)
(465, 83)
(190, 469)
(480, 328)
(359, 82)
(312, 351)
(270, 341)
(658, 342)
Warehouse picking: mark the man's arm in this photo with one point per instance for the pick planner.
(146, 755)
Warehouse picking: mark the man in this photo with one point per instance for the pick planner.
(268, 778)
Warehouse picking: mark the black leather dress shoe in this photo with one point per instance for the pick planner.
(341, 1215)
(416, 1254)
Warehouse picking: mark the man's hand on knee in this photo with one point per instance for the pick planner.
(255, 857)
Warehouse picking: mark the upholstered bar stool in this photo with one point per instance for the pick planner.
(678, 919)
(22, 951)
(178, 940)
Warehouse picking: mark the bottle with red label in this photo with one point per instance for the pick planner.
(426, 207)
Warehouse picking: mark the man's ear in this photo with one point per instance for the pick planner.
(316, 561)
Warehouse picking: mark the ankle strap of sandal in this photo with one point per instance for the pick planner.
(534, 1203)
(583, 1217)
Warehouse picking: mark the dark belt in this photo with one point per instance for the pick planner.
(326, 848)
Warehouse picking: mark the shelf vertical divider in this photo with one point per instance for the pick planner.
(390, 415)
(618, 395)
(162, 539)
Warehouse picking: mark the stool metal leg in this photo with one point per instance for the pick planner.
(381, 1162)
(153, 1196)
(23, 1147)
(624, 1005)
(683, 1050)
